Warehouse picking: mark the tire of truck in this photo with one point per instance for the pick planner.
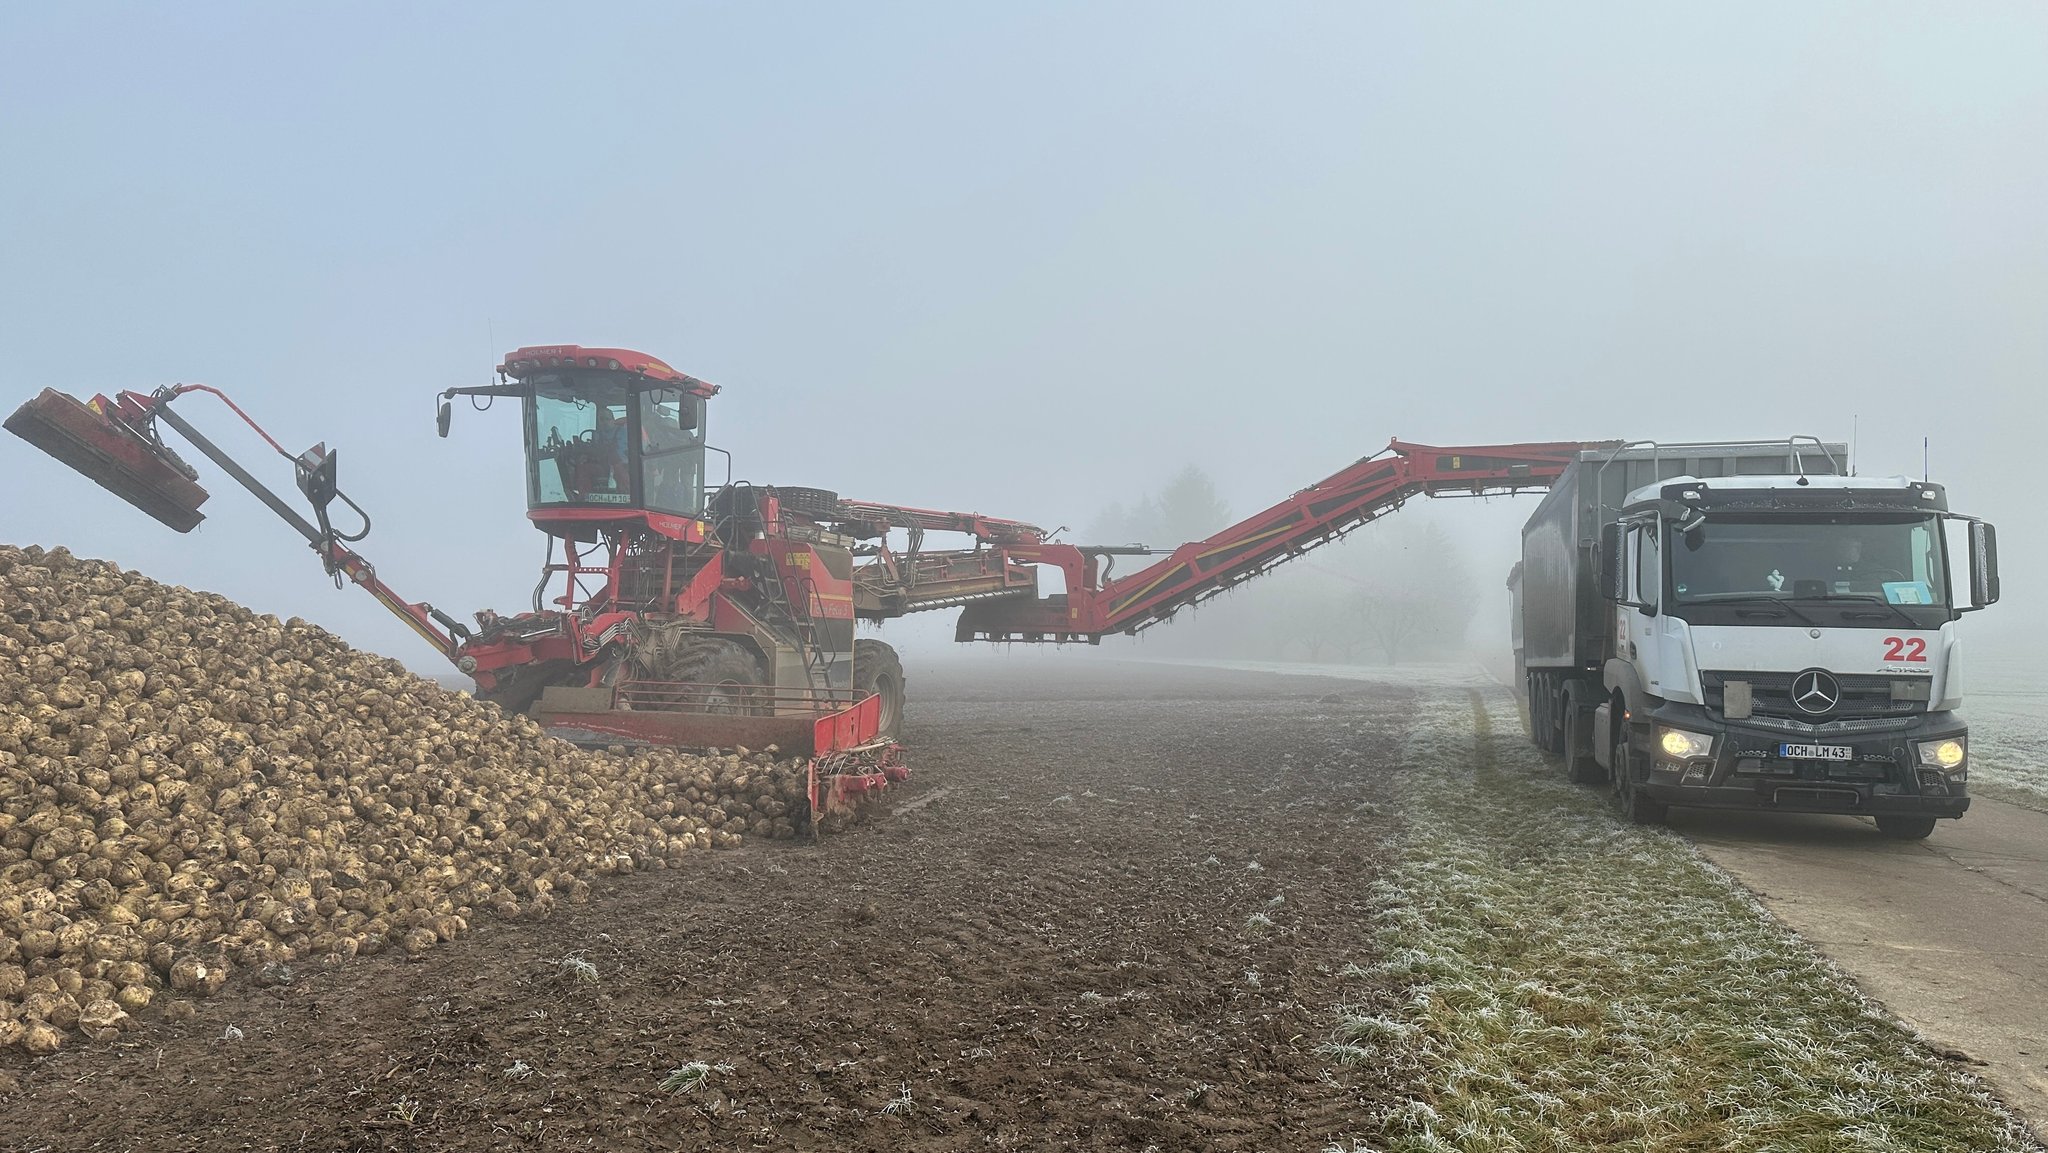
(1579, 766)
(1543, 714)
(1906, 828)
(1639, 809)
(1556, 717)
(1533, 698)
(878, 670)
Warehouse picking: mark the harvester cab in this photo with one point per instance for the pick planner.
(609, 433)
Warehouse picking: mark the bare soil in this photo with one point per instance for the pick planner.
(1050, 944)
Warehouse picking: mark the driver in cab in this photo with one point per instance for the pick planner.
(1850, 573)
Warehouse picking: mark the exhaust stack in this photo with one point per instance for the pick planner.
(113, 454)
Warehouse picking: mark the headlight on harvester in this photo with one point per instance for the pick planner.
(1946, 755)
(1680, 745)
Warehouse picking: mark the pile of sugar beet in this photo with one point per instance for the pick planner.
(191, 791)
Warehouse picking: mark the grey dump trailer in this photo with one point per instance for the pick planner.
(1743, 625)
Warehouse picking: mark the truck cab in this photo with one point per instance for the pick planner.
(1774, 641)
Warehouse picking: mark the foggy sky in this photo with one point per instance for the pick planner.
(1024, 260)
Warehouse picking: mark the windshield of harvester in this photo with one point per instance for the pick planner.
(593, 438)
(1899, 561)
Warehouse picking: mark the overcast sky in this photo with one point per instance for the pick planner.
(1023, 259)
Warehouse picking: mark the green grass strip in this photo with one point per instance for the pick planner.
(1568, 982)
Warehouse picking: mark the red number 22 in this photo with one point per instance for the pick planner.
(1905, 649)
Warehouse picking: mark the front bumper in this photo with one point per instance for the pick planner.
(1882, 776)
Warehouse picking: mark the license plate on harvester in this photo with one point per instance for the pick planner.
(1815, 752)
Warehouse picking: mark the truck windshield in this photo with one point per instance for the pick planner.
(1899, 562)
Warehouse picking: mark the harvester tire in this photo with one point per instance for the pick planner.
(729, 674)
(877, 669)
(820, 503)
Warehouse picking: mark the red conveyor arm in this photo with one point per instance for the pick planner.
(1198, 570)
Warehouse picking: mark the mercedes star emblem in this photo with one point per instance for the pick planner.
(1816, 691)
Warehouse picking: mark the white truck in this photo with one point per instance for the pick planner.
(1742, 626)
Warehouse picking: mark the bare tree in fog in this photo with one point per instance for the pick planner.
(1188, 508)
(1413, 591)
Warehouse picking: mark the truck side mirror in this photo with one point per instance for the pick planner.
(442, 417)
(1612, 560)
(1983, 564)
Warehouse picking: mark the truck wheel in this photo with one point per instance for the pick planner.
(1905, 828)
(1639, 809)
(1579, 766)
(1532, 699)
(878, 670)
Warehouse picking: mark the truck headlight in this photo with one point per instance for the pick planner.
(1947, 755)
(1680, 745)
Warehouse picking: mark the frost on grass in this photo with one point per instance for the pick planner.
(1570, 982)
(693, 1076)
(2006, 737)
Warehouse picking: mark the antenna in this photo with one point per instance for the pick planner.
(1923, 458)
(1854, 420)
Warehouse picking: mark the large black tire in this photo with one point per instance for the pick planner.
(1639, 809)
(730, 675)
(878, 670)
(1906, 828)
(1553, 717)
(1579, 766)
(1532, 686)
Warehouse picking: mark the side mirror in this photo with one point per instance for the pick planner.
(442, 417)
(1983, 564)
(686, 414)
(1612, 560)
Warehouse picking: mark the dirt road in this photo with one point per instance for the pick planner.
(1064, 944)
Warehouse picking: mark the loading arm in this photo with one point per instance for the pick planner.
(1198, 570)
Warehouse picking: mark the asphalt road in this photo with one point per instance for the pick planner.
(1950, 933)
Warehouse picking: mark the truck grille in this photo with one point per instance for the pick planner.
(1863, 695)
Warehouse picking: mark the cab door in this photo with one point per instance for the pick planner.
(1640, 624)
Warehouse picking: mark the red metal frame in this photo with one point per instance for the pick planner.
(1201, 569)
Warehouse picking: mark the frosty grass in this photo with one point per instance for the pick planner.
(1564, 981)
